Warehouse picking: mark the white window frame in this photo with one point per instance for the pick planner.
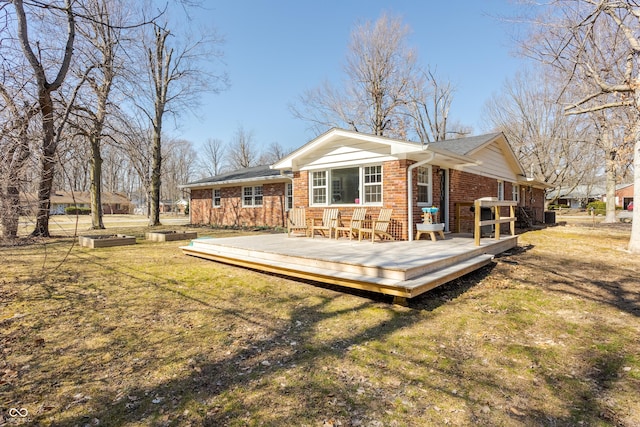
(326, 188)
(317, 176)
(251, 195)
(289, 196)
(500, 190)
(429, 184)
(218, 198)
(515, 193)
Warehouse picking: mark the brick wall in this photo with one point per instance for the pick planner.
(231, 213)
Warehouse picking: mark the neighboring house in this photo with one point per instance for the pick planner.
(624, 195)
(577, 197)
(112, 203)
(347, 169)
(581, 195)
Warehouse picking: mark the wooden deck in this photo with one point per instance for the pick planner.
(403, 269)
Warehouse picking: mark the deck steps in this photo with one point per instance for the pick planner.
(360, 265)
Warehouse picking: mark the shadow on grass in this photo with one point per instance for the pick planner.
(167, 402)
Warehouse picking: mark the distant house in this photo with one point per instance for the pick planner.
(347, 169)
(624, 195)
(579, 196)
(112, 203)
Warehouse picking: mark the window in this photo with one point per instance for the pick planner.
(500, 190)
(424, 185)
(216, 198)
(515, 190)
(289, 202)
(319, 187)
(252, 196)
(344, 186)
(373, 184)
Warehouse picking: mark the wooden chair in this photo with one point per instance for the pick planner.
(297, 221)
(379, 226)
(355, 223)
(329, 222)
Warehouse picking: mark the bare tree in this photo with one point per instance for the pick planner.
(429, 108)
(380, 70)
(242, 150)
(272, 153)
(176, 78)
(596, 44)
(211, 158)
(178, 167)
(45, 88)
(552, 147)
(15, 152)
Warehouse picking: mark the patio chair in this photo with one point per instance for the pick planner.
(329, 222)
(297, 221)
(355, 223)
(379, 226)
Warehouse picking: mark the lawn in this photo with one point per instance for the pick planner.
(145, 336)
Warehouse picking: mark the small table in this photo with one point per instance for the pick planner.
(430, 230)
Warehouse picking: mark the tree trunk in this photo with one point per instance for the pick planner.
(610, 166)
(156, 167)
(16, 158)
(47, 170)
(96, 185)
(634, 241)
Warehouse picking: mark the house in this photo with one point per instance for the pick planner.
(256, 196)
(112, 203)
(579, 196)
(624, 195)
(348, 169)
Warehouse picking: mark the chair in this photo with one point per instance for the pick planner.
(297, 221)
(329, 222)
(355, 223)
(379, 226)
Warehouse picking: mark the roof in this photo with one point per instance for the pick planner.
(255, 173)
(466, 145)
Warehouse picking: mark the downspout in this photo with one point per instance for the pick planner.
(285, 211)
(410, 190)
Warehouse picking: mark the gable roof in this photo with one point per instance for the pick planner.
(252, 174)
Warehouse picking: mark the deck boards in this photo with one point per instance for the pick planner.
(401, 268)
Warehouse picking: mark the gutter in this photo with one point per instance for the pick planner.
(410, 189)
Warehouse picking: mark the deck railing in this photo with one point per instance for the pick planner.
(490, 202)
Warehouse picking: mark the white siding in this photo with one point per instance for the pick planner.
(493, 164)
(358, 153)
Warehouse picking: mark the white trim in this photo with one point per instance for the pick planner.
(253, 196)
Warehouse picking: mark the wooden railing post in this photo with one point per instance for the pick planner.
(476, 222)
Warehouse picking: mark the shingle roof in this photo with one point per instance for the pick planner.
(465, 145)
(245, 174)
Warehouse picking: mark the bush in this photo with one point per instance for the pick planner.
(600, 208)
(75, 210)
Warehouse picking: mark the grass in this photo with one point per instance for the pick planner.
(145, 336)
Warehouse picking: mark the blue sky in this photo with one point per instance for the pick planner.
(275, 50)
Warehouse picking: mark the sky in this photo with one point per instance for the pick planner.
(276, 50)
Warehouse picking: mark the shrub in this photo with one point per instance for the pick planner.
(600, 208)
(76, 210)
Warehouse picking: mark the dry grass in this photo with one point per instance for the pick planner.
(145, 336)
